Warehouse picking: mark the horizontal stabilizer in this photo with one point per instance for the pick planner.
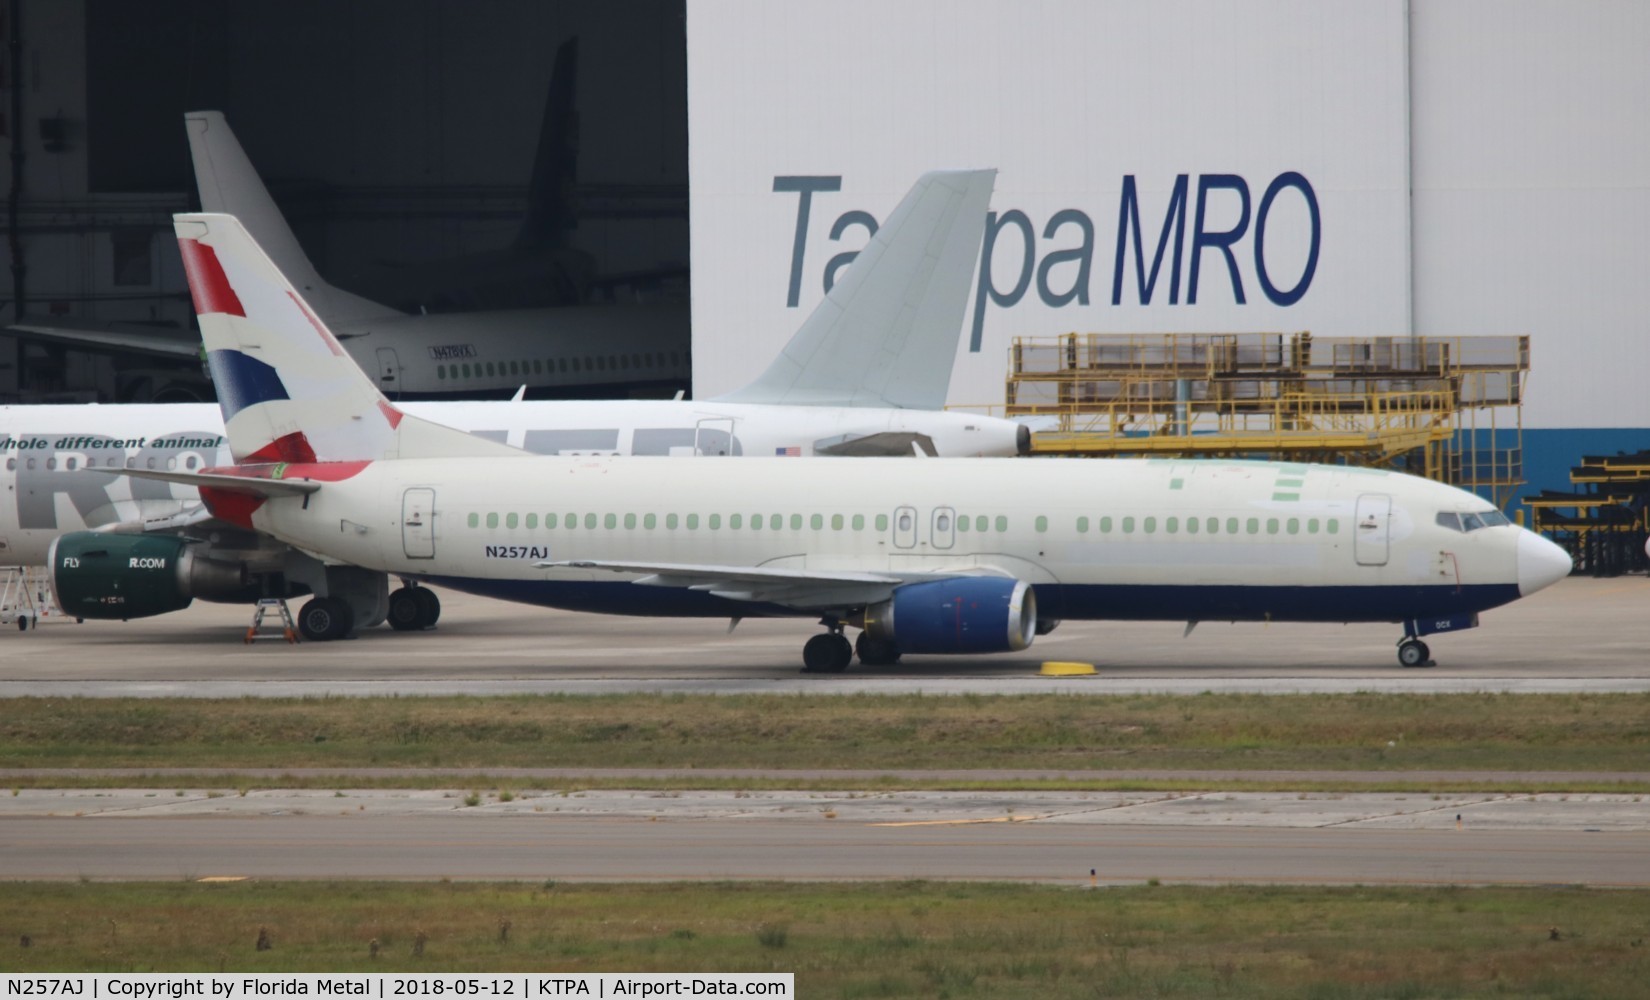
(218, 481)
(126, 338)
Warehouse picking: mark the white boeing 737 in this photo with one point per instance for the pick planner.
(887, 335)
(936, 556)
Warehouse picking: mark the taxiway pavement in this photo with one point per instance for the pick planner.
(1582, 635)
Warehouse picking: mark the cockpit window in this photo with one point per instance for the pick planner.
(1472, 522)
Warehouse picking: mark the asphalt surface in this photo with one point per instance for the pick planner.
(1581, 635)
(1595, 840)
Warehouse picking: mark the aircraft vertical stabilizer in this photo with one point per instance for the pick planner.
(886, 334)
(288, 391)
(228, 183)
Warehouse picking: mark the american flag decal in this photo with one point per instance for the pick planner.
(793, 451)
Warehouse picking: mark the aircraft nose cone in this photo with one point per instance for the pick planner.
(1540, 563)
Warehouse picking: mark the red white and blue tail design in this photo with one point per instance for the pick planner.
(288, 390)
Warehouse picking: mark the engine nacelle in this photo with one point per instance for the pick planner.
(971, 614)
(103, 575)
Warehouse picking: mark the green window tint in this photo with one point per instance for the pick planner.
(492, 520)
(693, 522)
(1294, 525)
(1171, 525)
(1191, 526)
(610, 521)
(572, 521)
(715, 522)
(474, 520)
(670, 522)
(1150, 526)
(549, 520)
(1105, 525)
(510, 521)
(859, 522)
(1041, 523)
(962, 523)
(1213, 526)
(836, 522)
(466, 369)
(590, 522)
(629, 521)
(1231, 525)
(980, 523)
(735, 521)
(1334, 526)
(1271, 526)
(1002, 523)
(816, 522)
(756, 522)
(1253, 526)
(796, 522)
(1082, 526)
(1312, 526)
(441, 371)
(650, 522)
(1128, 526)
(882, 522)
(532, 521)
(777, 522)
(491, 369)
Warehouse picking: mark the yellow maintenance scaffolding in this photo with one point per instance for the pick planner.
(1450, 408)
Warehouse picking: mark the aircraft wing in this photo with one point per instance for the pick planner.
(795, 588)
(127, 338)
(881, 443)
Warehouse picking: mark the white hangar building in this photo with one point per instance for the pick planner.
(1430, 167)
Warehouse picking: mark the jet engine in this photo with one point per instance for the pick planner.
(105, 575)
(969, 614)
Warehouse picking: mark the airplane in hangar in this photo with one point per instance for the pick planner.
(898, 335)
(938, 556)
(572, 349)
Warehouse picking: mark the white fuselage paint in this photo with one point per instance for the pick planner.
(44, 493)
(1098, 533)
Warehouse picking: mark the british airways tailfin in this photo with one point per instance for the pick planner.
(886, 334)
(288, 391)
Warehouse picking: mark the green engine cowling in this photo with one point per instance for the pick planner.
(98, 575)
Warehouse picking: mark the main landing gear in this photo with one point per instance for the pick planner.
(325, 619)
(829, 653)
(832, 652)
(413, 608)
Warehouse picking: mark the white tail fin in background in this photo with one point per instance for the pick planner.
(288, 391)
(887, 332)
(229, 184)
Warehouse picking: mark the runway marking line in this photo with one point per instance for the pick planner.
(962, 822)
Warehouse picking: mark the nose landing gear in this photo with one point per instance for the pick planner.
(1414, 653)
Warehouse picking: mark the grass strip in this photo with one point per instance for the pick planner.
(1367, 731)
(913, 939)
